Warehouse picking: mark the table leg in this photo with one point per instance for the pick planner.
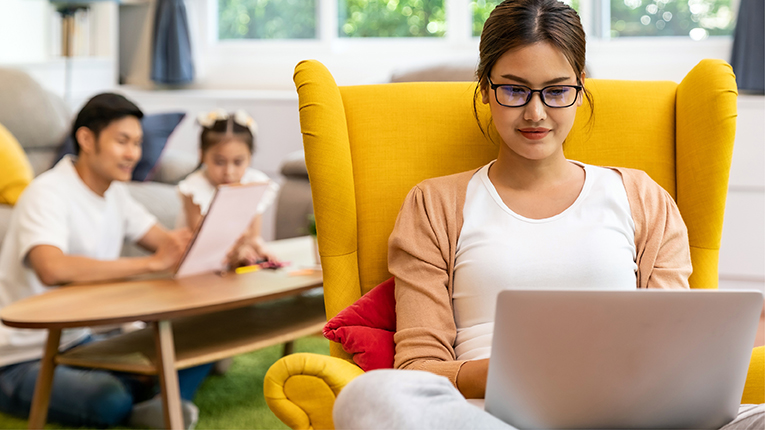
(168, 375)
(289, 348)
(39, 412)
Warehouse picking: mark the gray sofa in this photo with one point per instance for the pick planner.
(39, 120)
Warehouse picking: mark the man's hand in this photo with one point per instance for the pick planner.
(170, 249)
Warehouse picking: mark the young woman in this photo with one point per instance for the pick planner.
(460, 239)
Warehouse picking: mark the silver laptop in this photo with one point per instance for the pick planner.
(621, 359)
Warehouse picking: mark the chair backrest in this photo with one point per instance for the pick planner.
(367, 146)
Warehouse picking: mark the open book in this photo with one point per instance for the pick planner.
(230, 213)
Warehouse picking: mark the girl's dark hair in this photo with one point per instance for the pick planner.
(518, 23)
(224, 130)
(100, 111)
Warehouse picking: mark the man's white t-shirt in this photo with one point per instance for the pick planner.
(590, 245)
(58, 209)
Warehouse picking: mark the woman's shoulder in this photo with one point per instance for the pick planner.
(639, 182)
(449, 185)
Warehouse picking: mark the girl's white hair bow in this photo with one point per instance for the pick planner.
(207, 120)
(241, 117)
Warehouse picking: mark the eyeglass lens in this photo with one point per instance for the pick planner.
(554, 96)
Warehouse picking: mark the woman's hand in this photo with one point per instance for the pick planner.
(471, 381)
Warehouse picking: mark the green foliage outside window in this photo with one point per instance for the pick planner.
(391, 18)
(266, 19)
(297, 19)
(482, 9)
(695, 18)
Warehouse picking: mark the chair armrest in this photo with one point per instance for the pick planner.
(754, 390)
(301, 388)
(706, 128)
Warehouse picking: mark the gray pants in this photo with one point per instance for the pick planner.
(408, 399)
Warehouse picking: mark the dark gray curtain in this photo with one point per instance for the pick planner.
(748, 58)
(172, 62)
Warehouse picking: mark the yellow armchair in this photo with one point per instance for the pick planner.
(367, 146)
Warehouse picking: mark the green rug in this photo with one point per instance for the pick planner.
(234, 400)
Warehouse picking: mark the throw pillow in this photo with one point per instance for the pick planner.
(16, 172)
(366, 328)
(156, 130)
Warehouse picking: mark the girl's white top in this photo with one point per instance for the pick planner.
(201, 190)
(590, 245)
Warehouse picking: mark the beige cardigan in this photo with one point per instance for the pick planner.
(421, 253)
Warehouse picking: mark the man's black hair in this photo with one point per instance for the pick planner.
(100, 111)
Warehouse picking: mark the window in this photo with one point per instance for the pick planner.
(266, 19)
(481, 10)
(301, 19)
(695, 18)
(391, 18)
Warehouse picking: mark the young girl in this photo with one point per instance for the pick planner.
(227, 143)
(460, 239)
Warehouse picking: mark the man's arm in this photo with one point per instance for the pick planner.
(53, 267)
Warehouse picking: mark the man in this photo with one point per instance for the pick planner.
(69, 226)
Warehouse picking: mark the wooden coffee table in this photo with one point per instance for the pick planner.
(191, 321)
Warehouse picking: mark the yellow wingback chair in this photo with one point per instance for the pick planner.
(367, 146)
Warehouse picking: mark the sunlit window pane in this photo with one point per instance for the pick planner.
(482, 9)
(391, 18)
(695, 18)
(266, 19)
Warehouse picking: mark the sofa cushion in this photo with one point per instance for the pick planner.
(366, 328)
(16, 172)
(156, 130)
(36, 117)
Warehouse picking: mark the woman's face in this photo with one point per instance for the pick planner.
(533, 131)
(226, 162)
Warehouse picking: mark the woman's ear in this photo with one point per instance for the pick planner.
(580, 97)
(86, 140)
(485, 90)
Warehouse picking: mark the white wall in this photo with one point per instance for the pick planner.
(269, 65)
(25, 36)
(742, 252)
(24, 31)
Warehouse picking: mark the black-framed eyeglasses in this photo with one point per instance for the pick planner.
(554, 96)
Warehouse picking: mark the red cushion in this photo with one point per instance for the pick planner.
(365, 329)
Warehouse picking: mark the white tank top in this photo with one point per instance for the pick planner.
(590, 245)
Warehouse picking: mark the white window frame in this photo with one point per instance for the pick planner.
(356, 56)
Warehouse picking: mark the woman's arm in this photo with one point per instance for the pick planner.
(419, 251)
(471, 380)
(661, 237)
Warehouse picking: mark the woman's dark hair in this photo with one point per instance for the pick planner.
(518, 23)
(100, 111)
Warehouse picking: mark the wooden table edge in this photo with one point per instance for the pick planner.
(160, 316)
